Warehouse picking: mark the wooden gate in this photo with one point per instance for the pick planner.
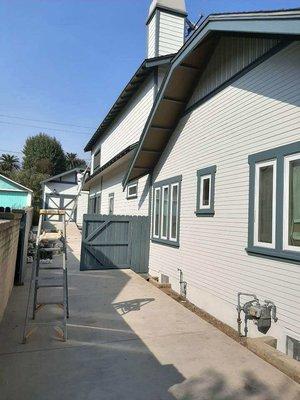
(115, 241)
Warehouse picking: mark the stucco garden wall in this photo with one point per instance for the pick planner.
(9, 236)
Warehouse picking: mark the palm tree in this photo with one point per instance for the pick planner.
(9, 163)
(73, 161)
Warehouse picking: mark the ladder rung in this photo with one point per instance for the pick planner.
(49, 303)
(45, 324)
(50, 249)
(49, 285)
(52, 212)
(50, 268)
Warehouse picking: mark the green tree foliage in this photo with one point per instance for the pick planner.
(31, 179)
(9, 163)
(44, 154)
(72, 161)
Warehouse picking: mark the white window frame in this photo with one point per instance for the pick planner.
(155, 213)
(259, 165)
(286, 195)
(162, 211)
(201, 205)
(129, 186)
(174, 239)
(111, 196)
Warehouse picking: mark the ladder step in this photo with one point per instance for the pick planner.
(50, 285)
(33, 323)
(51, 268)
(51, 249)
(49, 303)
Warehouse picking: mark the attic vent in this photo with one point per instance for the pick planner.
(293, 348)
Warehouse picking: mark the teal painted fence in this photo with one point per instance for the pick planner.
(115, 241)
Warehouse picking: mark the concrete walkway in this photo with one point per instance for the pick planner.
(129, 341)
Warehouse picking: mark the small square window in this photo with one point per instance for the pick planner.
(132, 190)
(205, 191)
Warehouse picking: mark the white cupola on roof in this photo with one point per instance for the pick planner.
(166, 27)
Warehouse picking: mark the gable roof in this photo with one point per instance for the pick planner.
(186, 68)
(78, 169)
(111, 162)
(126, 95)
(21, 187)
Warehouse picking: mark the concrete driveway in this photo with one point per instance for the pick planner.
(129, 341)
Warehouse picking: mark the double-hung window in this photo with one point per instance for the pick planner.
(205, 191)
(166, 210)
(265, 204)
(274, 203)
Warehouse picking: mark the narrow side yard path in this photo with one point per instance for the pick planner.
(128, 341)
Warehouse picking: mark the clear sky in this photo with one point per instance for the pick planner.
(66, 61)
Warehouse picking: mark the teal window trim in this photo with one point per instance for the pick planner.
(211, 172)
(278, 154)
(159, 185)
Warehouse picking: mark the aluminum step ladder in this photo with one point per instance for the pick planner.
(48, 241)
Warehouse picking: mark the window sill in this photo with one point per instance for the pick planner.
(131, 197)
(284, 255)
(165, 242)
(204, 213)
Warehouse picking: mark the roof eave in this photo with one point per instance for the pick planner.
(146, 66)
(62, 174)
(255, 23)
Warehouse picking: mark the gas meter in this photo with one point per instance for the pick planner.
(260, 313)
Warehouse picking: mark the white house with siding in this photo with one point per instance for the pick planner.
(63, 191)
(224, 131)
(115, 140)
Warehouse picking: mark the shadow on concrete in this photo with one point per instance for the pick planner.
(212, 385)
(103, 358)
(131, 305)
(106, 359)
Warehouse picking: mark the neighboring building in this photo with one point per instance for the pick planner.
(14, 195)
(113, 143)
(226, 175)
(60, 191)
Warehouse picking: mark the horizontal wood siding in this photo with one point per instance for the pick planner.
(82, 207)
(152, 37)
(128, 126)
(231, 55)
(171, 33)
(112, 183)
(259, 111)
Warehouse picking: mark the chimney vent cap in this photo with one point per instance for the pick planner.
(174, 5)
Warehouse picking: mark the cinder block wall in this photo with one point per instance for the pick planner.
(9, 236)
